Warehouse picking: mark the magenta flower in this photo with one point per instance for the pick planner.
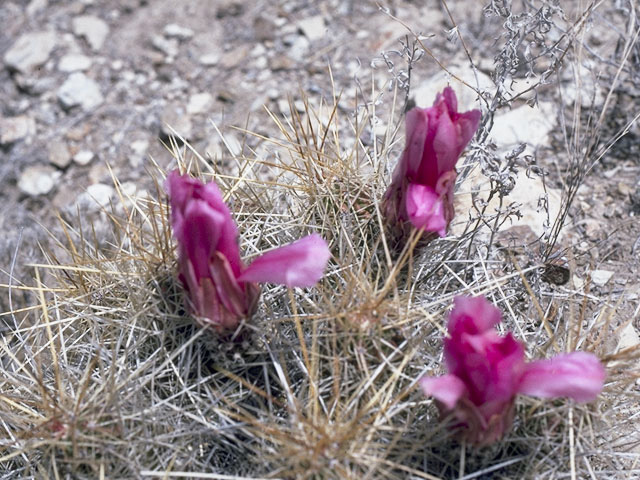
(487, 371)
(220, 288)
(421, 190)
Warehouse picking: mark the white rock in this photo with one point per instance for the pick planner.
(425, 93)
(174, 30)
(96, 197)
(199, 103)
(209, 59)
(232, 144)
(30, 51)
(59, 154)
(578, 283)
(524, 124)
(128, 189)
(35, 6)
(313, 27)
(259, 51)
(74, 62)
(80, 90)
(83, 157)
(628, 337)
(261, 63)
(584, 88)
(214, 149)
(168, 47)
(601, 277)
(299, 49)
(13, 129)
(140, 147)
(283, 106)
(38, 180)
(526, 196)
(93, 29)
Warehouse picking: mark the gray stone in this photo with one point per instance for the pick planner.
(83, 157)
(281, 62)
(30, 51)
(99, 173)
(624, 189)
(592, 228)
(234, 57)
(74, 62)
(38, 180)
(264, 28)
(59, 154)
(199, 103)
(34, 85)
(79, 90)
(13, 129)
(173, 30)
(93, 29)
(175, 121)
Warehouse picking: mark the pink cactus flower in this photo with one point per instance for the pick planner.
(221, 290)
(487, 371)
(421, 190)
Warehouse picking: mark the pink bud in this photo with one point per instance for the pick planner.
(221, 291)
(421, 191)
(487, 371)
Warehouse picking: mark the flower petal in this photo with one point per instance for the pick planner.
(468, 123)
(230, 291)
(577, 375)
(299, 264)
(425, 209)
(446, 144)
(417, 128)
(198, 235)
(447, 389)
(450, 99)
(183, 192)
(472, 315)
